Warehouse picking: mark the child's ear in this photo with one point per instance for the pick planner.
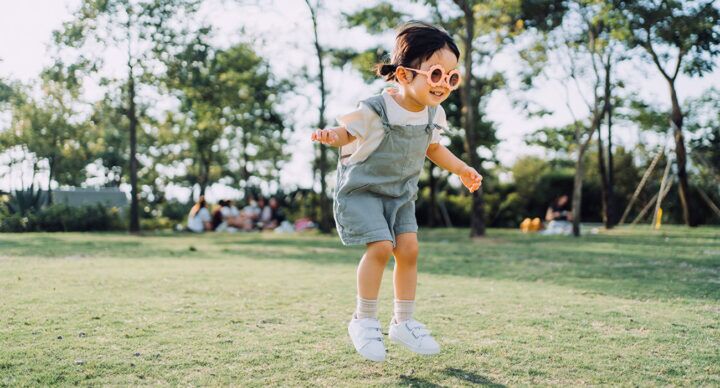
(403, 75)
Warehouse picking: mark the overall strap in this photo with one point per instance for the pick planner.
(431, 119)
(377, 104)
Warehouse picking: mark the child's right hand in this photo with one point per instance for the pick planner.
(325, 136)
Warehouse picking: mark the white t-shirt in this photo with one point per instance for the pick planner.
(197, 223)
(229, 211)
(366, 126)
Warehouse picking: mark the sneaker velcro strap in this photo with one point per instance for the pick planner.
(420, 331)
(373, 336)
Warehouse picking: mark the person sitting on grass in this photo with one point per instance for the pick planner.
(199, 218)
(227, 217)
(251, 213)
(271, 215)
(559, 216)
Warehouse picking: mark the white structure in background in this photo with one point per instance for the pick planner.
(108, 196)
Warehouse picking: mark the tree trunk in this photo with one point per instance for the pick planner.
(432, 205)
(204, 177)
(322, 164)
(580, 169)
(680, 155)
(610, 212)
(477, 212)
(577, 193)
(603, 179)
(325, 214)
(244, 171)
(611, 200)
(203, 187)
(51, 170)
(134, 198)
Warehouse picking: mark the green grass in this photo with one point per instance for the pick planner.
(627, 307)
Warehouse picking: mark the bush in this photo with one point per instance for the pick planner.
(65, 218)
(14, 223)
(158, 223)
(176, 211)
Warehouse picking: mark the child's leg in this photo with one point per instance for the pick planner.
(369, 276)
(371, 267)
(405, 275)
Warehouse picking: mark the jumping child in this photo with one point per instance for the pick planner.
(383, 145)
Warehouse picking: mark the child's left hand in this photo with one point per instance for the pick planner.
(470, 178)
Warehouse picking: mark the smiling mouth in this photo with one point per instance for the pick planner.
(437, 94)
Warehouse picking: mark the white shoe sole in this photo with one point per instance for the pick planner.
(368, 357)
(424, 352)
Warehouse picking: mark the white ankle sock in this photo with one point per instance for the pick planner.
(403, 310)
(366, 308)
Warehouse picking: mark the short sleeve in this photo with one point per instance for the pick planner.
(441, 121)
(359, 121)
(205, 215)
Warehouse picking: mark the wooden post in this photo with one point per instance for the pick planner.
(663, 182)
(709, 202)
(650, 203)
(640, 186)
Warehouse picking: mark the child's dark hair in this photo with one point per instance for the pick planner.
(415, 42)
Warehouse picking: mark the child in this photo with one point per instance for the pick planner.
(383, 145)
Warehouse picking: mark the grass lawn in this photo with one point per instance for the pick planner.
(627, 307)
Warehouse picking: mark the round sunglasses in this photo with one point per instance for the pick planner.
(436, 76)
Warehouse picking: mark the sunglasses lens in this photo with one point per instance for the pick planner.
(436, 75)
(454, 80)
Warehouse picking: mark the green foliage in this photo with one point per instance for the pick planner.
(377, 19)
(691, 28)
(560, 140)
(7, 92)
(364, 61)
(64, 218)
(646, 116)
(175, 210)
(51, 127)
(24, 202)
(227, 110)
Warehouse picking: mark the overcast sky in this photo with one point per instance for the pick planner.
(283, 37)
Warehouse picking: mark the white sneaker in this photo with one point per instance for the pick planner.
(367, 337)
(414, 336)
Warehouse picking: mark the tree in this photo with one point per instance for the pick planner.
(226, 126)
(143, 29)
(583, 54)
(483, 29)
(704, 124)
(51, 128)
(688, 34)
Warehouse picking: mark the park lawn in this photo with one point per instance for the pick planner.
(626, 307)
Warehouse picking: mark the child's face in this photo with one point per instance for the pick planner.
(416, 85)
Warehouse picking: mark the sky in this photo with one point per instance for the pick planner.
(282, 34)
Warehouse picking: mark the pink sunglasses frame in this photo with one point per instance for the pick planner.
(444, 79)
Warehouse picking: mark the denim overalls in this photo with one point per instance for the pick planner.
(375, 198)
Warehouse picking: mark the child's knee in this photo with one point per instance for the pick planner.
(380, 250)
(407, 253)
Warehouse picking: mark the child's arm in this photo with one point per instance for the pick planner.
(442, 156)
(335, 137)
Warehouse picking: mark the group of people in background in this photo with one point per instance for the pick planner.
(226, 217)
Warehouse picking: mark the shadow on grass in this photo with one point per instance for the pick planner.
(472, 378)
(410, 381)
